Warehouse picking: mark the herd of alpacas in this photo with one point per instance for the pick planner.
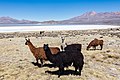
(69, 56)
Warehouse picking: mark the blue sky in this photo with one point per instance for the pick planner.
(42, 10)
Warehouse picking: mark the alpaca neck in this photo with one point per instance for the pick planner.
(88, 46)
(32, 47)
(49, 54)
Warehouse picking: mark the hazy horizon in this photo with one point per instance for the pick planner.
(42, 10)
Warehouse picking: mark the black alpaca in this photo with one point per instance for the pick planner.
(72, 47)
(78, 60)
(60, 59)
(64, 59)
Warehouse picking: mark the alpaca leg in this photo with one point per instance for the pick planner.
(61, 69)
(41, 60)
(74, 64)
(94, 47)
(80, 68)
(36, 60)
(61, 47)
(60, 72)
(76, 69)
(101, 47)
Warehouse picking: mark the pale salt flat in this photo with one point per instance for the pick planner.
(53, 28)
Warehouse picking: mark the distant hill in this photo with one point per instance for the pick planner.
(105, 18)
(102, 18)
(9, 20)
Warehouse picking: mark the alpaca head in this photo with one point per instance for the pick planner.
(45, 47)
(89, 45)
(27, 41)
(87, 48)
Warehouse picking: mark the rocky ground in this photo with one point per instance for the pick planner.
(17, 62)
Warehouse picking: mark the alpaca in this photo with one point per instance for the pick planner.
(63, 44)
(95, 43)
(73, 47)
(65, 59)
(39, 52)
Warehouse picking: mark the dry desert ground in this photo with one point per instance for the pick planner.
(17, 61)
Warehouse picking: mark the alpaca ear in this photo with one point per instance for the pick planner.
(66, 44)
(25, 38)
(28, 39)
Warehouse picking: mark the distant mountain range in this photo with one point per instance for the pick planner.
(102, 18)
(106, 18)
(9, 20)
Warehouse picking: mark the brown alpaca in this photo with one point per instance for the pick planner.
(39, 52)
(95, 43)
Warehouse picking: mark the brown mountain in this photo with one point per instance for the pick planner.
(103, 18)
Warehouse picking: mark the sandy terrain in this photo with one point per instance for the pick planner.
(16, 60)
